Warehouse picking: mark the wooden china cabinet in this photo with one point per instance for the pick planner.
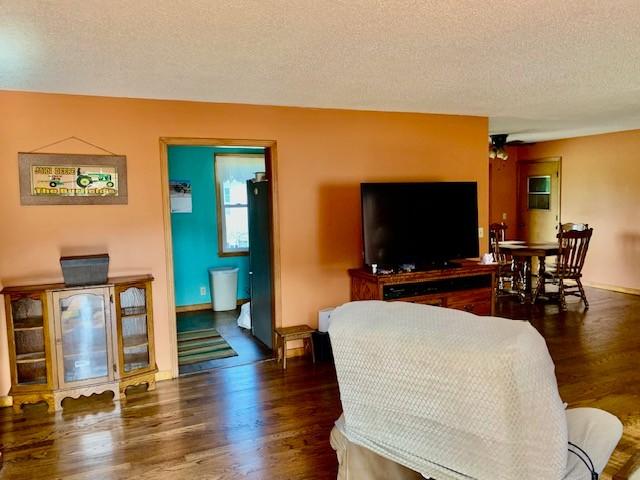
(68, 342)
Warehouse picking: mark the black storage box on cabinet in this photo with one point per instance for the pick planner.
(82, 270)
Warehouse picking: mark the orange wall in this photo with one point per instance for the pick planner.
(503, 191)
(323, 155)
(601, 187)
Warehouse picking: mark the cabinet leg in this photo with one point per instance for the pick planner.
(151, 385)
(51, 405)
(57, 402)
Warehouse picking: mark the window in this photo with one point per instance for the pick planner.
(539, 191)
(232, 172)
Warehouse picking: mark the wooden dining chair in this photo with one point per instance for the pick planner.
(572, 252)
(568, 227)
(497, 233)
(505, 274)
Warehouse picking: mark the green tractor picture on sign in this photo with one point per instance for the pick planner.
(86, 179)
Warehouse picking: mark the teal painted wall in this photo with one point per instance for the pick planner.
(195, 235)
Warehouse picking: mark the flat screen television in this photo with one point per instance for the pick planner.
(422, 224)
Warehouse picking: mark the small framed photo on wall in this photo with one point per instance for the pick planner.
(180, 196)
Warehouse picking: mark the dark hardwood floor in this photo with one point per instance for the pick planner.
(257, 422)
(597, 357)
(251, 421)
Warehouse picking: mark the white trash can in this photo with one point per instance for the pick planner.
(224, 287)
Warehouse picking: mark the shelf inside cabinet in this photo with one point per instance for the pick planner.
(133, 311)
(30, 357)
(28, 329)
(29, 323)
(134, 341)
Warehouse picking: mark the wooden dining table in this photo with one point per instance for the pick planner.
(525, 251)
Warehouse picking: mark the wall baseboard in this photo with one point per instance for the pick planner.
(163, 375)
(205, 306)
(193, 308)
(6, 401)
(613, 288)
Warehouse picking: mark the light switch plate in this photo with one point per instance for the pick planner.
(480, 232)
(203, 291)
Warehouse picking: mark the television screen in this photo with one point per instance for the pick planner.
(425, 224)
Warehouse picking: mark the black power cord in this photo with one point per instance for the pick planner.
(590, 466)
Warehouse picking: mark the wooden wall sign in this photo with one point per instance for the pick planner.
(72, 179)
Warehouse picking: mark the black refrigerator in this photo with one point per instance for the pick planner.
(260, 262)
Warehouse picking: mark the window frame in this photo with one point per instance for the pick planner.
(546, 193)
(221, 206)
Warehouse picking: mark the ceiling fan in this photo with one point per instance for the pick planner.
(497, 142)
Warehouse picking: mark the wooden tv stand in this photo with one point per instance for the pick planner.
(468, 287)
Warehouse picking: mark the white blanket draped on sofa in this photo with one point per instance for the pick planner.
(449, 394)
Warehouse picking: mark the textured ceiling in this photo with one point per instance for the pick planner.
(539, 69)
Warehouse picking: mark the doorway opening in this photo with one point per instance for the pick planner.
(219, 235)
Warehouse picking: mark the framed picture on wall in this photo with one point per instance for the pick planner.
(180, 196)
(72, 179)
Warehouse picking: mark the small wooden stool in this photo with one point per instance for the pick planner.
(286, 334)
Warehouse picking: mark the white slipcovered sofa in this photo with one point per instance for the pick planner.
(429, 392)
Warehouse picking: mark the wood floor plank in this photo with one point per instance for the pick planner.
(258, 422)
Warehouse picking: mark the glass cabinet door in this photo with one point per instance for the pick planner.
(29, 340)
(134, 330)
(84, 335)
